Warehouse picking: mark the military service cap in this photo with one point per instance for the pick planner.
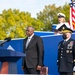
(65, 29)
(61, 15)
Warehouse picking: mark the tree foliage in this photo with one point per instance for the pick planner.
(49, 15)
(13, 23)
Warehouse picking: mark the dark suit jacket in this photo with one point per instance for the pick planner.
(66, 56)
(34, 52)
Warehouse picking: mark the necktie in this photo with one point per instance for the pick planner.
(28, 40)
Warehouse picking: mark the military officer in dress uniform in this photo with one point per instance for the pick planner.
(66, 53)
(62, 21)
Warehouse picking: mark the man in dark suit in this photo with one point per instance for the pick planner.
(66, 53)
(34, 50)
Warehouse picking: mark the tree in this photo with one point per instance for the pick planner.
(66, 11)
(49, 15)
(13, 23)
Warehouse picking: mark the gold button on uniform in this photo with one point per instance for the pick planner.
(61, 56)
(67, 51)
(61, 51)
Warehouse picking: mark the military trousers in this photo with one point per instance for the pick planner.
(66, 73)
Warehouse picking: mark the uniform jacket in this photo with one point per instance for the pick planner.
(66, 56)
(34, 52)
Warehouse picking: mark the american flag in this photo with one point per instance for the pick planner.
(72, 14)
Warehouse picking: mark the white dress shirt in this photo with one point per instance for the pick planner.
(28, 40)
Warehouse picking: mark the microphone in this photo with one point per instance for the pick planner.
(5, 40)
(8, 39)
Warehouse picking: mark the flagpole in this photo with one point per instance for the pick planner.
(72, 14)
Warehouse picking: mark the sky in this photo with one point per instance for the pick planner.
(31, 6)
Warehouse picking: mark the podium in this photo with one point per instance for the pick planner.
(8, 61)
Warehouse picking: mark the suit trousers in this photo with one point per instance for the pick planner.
(31, 71)
(66, 73)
